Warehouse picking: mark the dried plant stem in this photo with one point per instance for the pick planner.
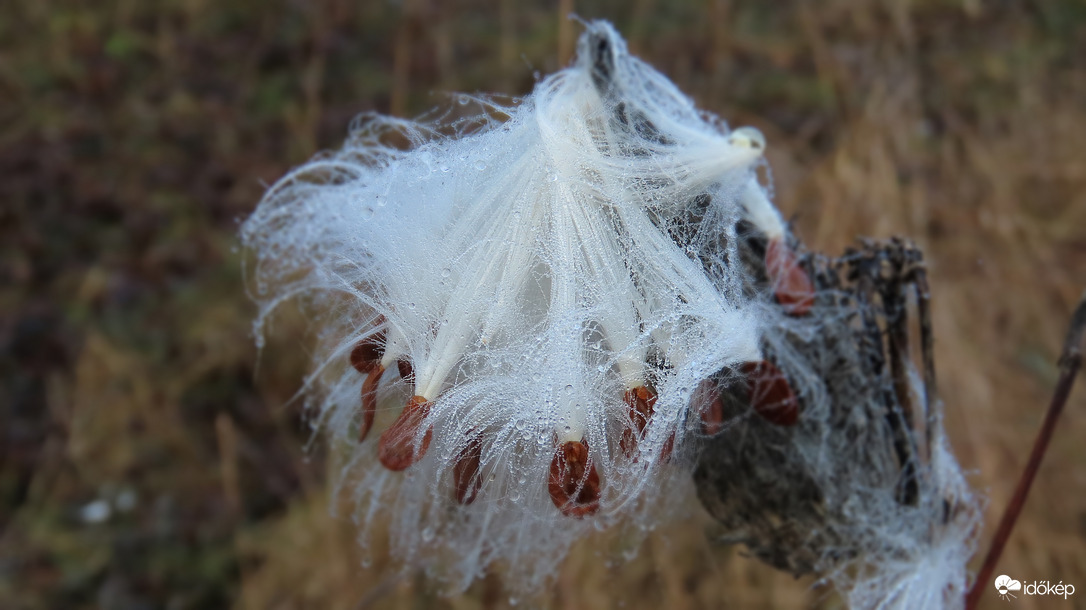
(1070, 362)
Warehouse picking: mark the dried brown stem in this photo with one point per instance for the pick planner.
(1070, 362)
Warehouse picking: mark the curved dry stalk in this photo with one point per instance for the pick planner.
(1070, 362)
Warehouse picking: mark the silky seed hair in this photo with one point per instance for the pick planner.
(531, 294)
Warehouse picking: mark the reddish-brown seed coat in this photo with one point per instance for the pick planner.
(466, 472)
(367, 354)
(669, 446)
(369, 400)
(640, 403)
(770, 394)
(792, 286)
(396, 448)
(710, 407)
(574, 484)
(407, 373)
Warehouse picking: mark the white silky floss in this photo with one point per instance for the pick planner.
(531, 270)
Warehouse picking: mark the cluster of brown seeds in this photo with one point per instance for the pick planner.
(574, 484)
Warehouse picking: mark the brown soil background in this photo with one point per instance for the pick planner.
(135, 135)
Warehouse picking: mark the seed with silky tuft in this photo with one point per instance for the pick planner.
(369, 400)
(466, 472)
(770, 394)
(791, 285)
(367, 354)
(710, 407)
(640, 402)
(407, 373)
(396, 448)
(574, 484)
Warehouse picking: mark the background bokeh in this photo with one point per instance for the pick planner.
(151, 458)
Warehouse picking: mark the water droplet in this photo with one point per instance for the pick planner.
(411, 305)
(479, 165)
(428, 534)
(367, 213)
(446, 272)
(463, 100)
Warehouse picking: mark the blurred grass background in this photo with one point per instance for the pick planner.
(150, 459)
